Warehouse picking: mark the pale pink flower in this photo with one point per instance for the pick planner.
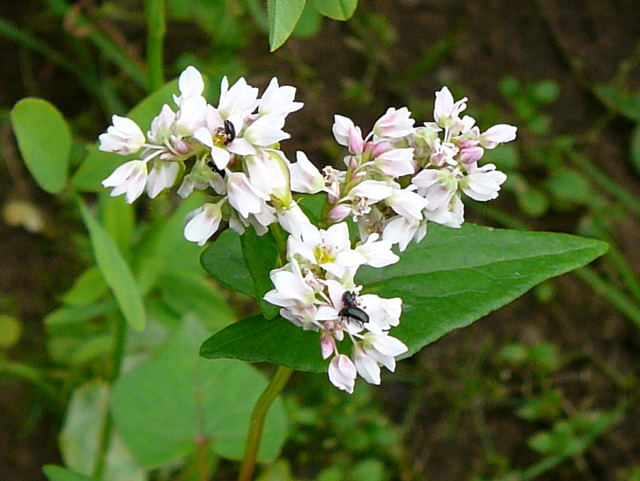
(342, 373)
(394, 123)
(498, 134)
(129, 179)
(124, 137)
(203, 222)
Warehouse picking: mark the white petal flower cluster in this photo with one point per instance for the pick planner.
(399, 177)
(316, 291)
(230, 151)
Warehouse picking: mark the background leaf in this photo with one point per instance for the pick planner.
(223, 259)
(98, 165)
(261, 257)
(448, 281)
(44, 139)
(283, 15)
(81, 431)
(165, 406)
(336, 9)
(56, 473)
(115, 270)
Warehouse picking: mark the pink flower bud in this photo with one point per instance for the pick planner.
(356, 144)
(327, 345)
(380, 148)
(339, 212)
(471, 155)
(342, 373)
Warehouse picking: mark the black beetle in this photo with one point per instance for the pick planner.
(229, 132)
(351, 310)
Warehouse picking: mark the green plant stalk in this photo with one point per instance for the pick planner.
(156, 29)
(611, 293)
(119, 341)
(612, 187)
(104, 44)
(256, 424)
(627, 274)
(28, 373)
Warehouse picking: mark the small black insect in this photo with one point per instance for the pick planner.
(229, 132)
(351, 309)
(213, 167)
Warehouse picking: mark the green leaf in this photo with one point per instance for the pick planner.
(260, 257)
(57, 473)
(115, 270)
(283, 16)
(98, 165)
(44, 139)
(223, 259)
(87, 288)
(118, 219)
(448, 281)
(187, 292)
(257, 339)
(80, 436)
(336, 9)
(10, 330)
(309, 23)
(625, 102)
(164, 407)
(569, 186)
(634, 148)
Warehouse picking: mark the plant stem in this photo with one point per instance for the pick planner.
(629, 200)
(256, 423)
(156, 29)
(614, 295)
(119, 340)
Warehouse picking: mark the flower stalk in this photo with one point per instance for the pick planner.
(156, 29)
(256, 423)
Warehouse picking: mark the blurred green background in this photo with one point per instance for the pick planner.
(546, 388)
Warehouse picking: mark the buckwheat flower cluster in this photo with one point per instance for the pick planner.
(229, 151)
(316, 291)
(399, 177)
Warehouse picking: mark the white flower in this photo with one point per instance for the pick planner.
(366, 366)
(343, 127)
(129, 179)
(203, 222)
(190, 84)
(293, 220)
(269, 174)
(291, 290)
(191, 116)
(449, 215)
(394, 123)
(406, 203)
(402, 230)
(383, 349)
(266, 130)
(376, 253)
(445, 112)
(305, 177)
(124, 137)
(163, 175)
(161, 126)
(483, 183)
(239, 100)
(278, 100)
(396, 162)
(498, 134)
(342, 373)
(243, 197)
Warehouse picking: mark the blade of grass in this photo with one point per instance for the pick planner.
(156, 29)
(104, 44)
